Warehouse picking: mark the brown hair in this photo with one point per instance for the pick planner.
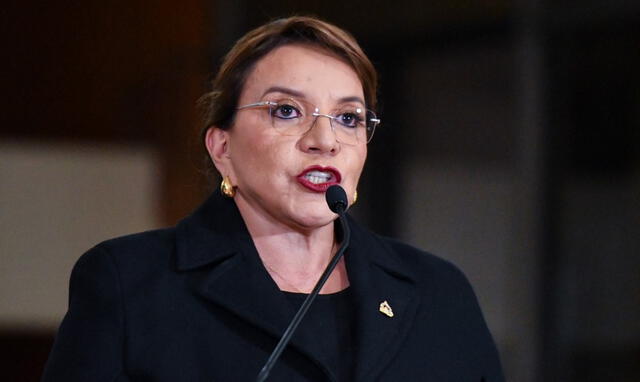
(219, 105)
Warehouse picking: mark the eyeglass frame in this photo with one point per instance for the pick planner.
(376, 121)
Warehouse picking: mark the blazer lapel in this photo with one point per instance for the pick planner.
(376, 276)
(216, 236)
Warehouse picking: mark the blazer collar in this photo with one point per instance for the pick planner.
(216, 235)
(215, 239)
(210, 234)
(377, 274)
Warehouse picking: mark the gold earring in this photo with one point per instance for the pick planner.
(355, 197)
(227, 188)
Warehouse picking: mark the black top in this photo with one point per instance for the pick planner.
(195, 303)
(330, 320)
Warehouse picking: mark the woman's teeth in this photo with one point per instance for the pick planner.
(317, 177)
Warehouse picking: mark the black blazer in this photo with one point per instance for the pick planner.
(194, 303)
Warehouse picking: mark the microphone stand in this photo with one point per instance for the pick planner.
(302, 311)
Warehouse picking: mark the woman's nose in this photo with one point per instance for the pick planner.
(320, 138)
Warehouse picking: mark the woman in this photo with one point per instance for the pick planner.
(209, 299)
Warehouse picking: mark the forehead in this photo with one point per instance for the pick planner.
(317, 74)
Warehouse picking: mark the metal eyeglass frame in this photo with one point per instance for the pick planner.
(316, 113)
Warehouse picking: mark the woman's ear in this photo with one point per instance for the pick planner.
(216, 141)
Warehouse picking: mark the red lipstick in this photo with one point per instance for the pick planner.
(318, 178)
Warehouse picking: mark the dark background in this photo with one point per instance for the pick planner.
(545, 93)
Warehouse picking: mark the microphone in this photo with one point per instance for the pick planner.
(337, 199)
(337, 202)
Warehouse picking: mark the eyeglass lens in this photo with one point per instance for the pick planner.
(352, 124)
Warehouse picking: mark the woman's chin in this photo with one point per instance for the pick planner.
(312, 217)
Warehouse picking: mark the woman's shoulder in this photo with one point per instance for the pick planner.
(138, 249)
(152, 239)
(417, 256)
(423, 265)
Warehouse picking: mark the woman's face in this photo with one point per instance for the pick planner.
(282, 178)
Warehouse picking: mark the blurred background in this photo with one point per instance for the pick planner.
(509, 145)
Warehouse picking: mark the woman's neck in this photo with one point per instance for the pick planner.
(295, 258)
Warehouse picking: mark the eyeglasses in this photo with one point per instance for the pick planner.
(351, 124)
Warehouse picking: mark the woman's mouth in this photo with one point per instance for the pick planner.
(318, 178)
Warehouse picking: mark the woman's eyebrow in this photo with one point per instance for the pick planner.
(299, 94)
(280, 89)
(351, 99)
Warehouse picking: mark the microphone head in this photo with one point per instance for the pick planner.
(337, 199)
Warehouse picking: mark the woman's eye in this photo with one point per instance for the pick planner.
(286, 111)
(349, 119)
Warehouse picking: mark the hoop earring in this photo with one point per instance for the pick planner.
(227, 188)
(355, 197)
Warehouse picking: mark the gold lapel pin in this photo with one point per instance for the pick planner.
(385, 309)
